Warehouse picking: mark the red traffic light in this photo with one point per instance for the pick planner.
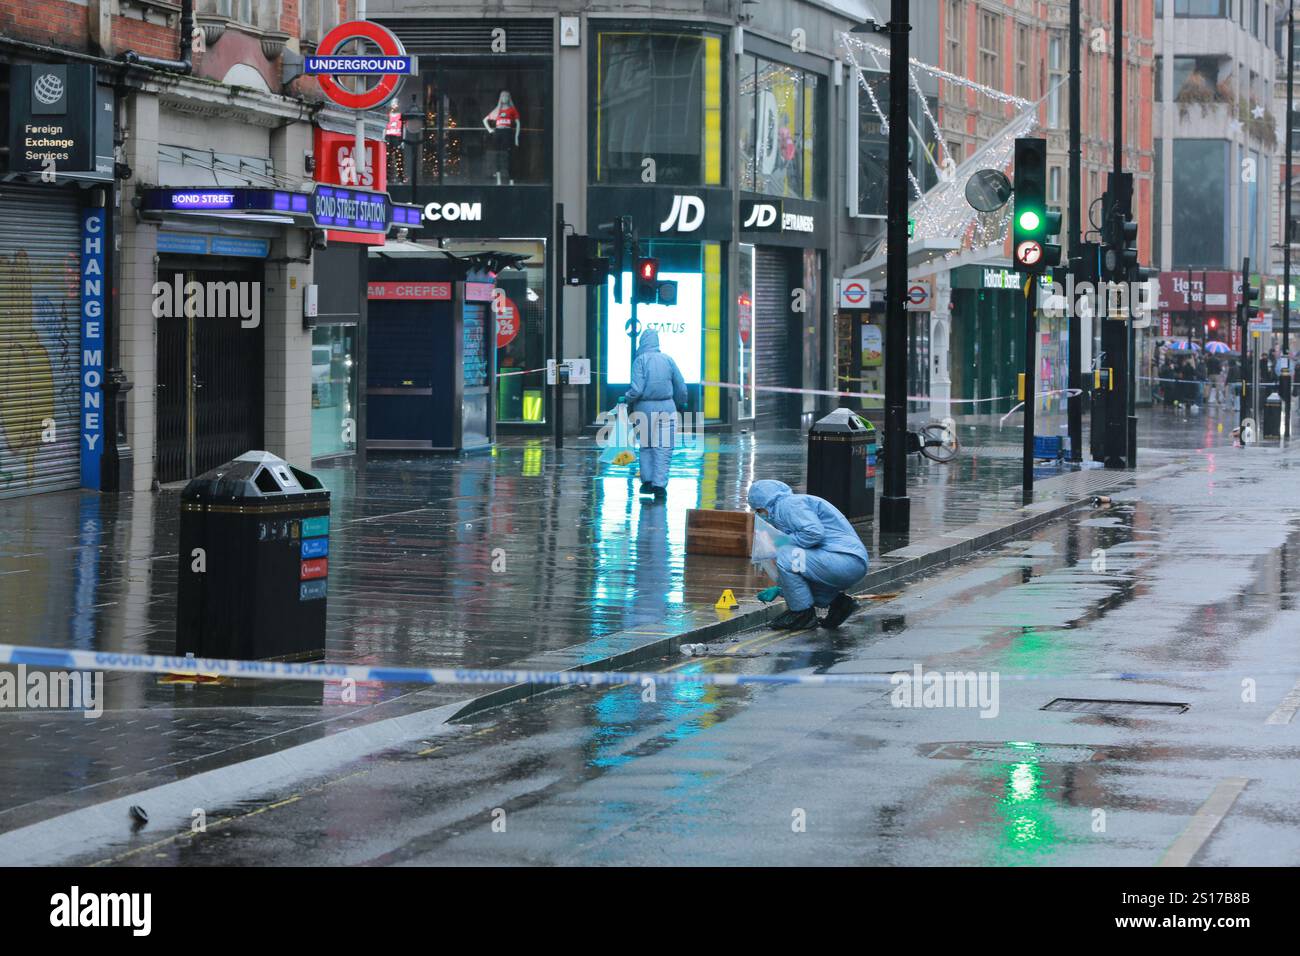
(1214, 323)
(647, 269)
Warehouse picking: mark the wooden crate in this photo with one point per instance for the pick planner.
(725, 533)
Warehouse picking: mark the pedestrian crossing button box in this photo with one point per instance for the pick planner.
(254, 562)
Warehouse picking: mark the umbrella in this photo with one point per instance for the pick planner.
(1217, 347)
(1179, 345)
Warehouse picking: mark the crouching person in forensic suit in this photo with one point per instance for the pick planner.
(820, 562)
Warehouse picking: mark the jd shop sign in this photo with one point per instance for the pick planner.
(51, 117)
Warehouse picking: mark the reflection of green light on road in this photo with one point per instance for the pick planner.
(1025, 808)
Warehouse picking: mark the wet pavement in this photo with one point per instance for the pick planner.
(1195, 572)
(435, 561)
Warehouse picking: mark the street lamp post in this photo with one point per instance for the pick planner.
(1286, 213)
(1075, 400)
(895, 506)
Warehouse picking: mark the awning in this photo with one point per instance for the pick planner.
(920, 254)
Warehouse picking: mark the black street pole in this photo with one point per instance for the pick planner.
(557, 339)
(1075, 401)
(895, 507)
(1030, 392)
(1130, 383)
(1243, 337)
(1286, 234)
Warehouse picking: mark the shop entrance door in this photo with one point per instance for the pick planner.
(209, 392)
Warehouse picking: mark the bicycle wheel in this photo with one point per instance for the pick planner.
(939, 442)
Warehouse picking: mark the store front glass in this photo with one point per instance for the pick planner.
(685, 332)
(520, 315)
(745, 330)
(779, 150)
(657, 97)
(482, 125)
(333, 390)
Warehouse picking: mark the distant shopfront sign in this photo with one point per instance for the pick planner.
(1209, 291)
(52, 117)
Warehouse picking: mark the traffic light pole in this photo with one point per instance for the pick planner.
(1290, 144)
(895, 507)
(557, 339)
(1075, 400)
(1031, 393)
(1243, 324)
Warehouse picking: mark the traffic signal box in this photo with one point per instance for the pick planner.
(1035, 226)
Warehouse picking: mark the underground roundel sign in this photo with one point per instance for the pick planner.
(388, 66)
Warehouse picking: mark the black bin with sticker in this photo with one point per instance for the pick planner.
(842, 463)
(254, 562)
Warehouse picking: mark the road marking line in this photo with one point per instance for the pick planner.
(1203, 824)
(1287, 709)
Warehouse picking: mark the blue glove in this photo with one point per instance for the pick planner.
(622, 399)
(768, 595)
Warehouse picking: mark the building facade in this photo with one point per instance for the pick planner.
(1218, 149)
(155, 277)
(716, 125)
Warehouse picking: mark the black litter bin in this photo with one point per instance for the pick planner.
(1270, 417)
(254, 560)
(842, 463)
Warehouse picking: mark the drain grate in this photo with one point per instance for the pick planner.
(1114, 708)
(1012, 752)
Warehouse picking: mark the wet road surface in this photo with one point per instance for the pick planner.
(1196, 572)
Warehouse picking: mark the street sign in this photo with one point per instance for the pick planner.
(920, 295)
(855, 294)
(1028, 253)
(1261, 323)
(390, 64)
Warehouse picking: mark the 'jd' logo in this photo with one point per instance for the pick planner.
(686, 215)
(761, 216)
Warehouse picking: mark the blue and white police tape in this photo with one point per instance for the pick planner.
(60, 659)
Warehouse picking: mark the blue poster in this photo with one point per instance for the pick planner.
(92, 345)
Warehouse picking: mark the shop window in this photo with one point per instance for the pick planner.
(482, 125)
(690, 330)
(779, 152)
(333, 390)
(657, 106)
(873, 144)
(520, 323)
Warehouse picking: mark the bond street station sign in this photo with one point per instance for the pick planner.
(52, 117)
(325, 207)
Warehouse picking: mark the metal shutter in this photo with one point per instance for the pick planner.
(40, 338)
(772, 337)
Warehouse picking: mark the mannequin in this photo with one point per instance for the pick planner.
(501, 124)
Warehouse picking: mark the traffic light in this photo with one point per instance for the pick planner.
(619, 233)
(1035, 225)
(1249, 294)
(581, 264)
(647, 280)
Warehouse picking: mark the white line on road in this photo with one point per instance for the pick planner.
(1205, 821)
(1287, 709)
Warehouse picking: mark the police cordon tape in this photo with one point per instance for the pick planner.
(61, 659)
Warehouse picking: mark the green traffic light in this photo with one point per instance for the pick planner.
(1030, 220)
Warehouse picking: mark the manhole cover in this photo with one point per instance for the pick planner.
(1013, 752)
(1114, 708)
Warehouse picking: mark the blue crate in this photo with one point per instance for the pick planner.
(1049, 446)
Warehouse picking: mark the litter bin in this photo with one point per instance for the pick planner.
(1270, 417)
(842, 463)
(254, 560)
